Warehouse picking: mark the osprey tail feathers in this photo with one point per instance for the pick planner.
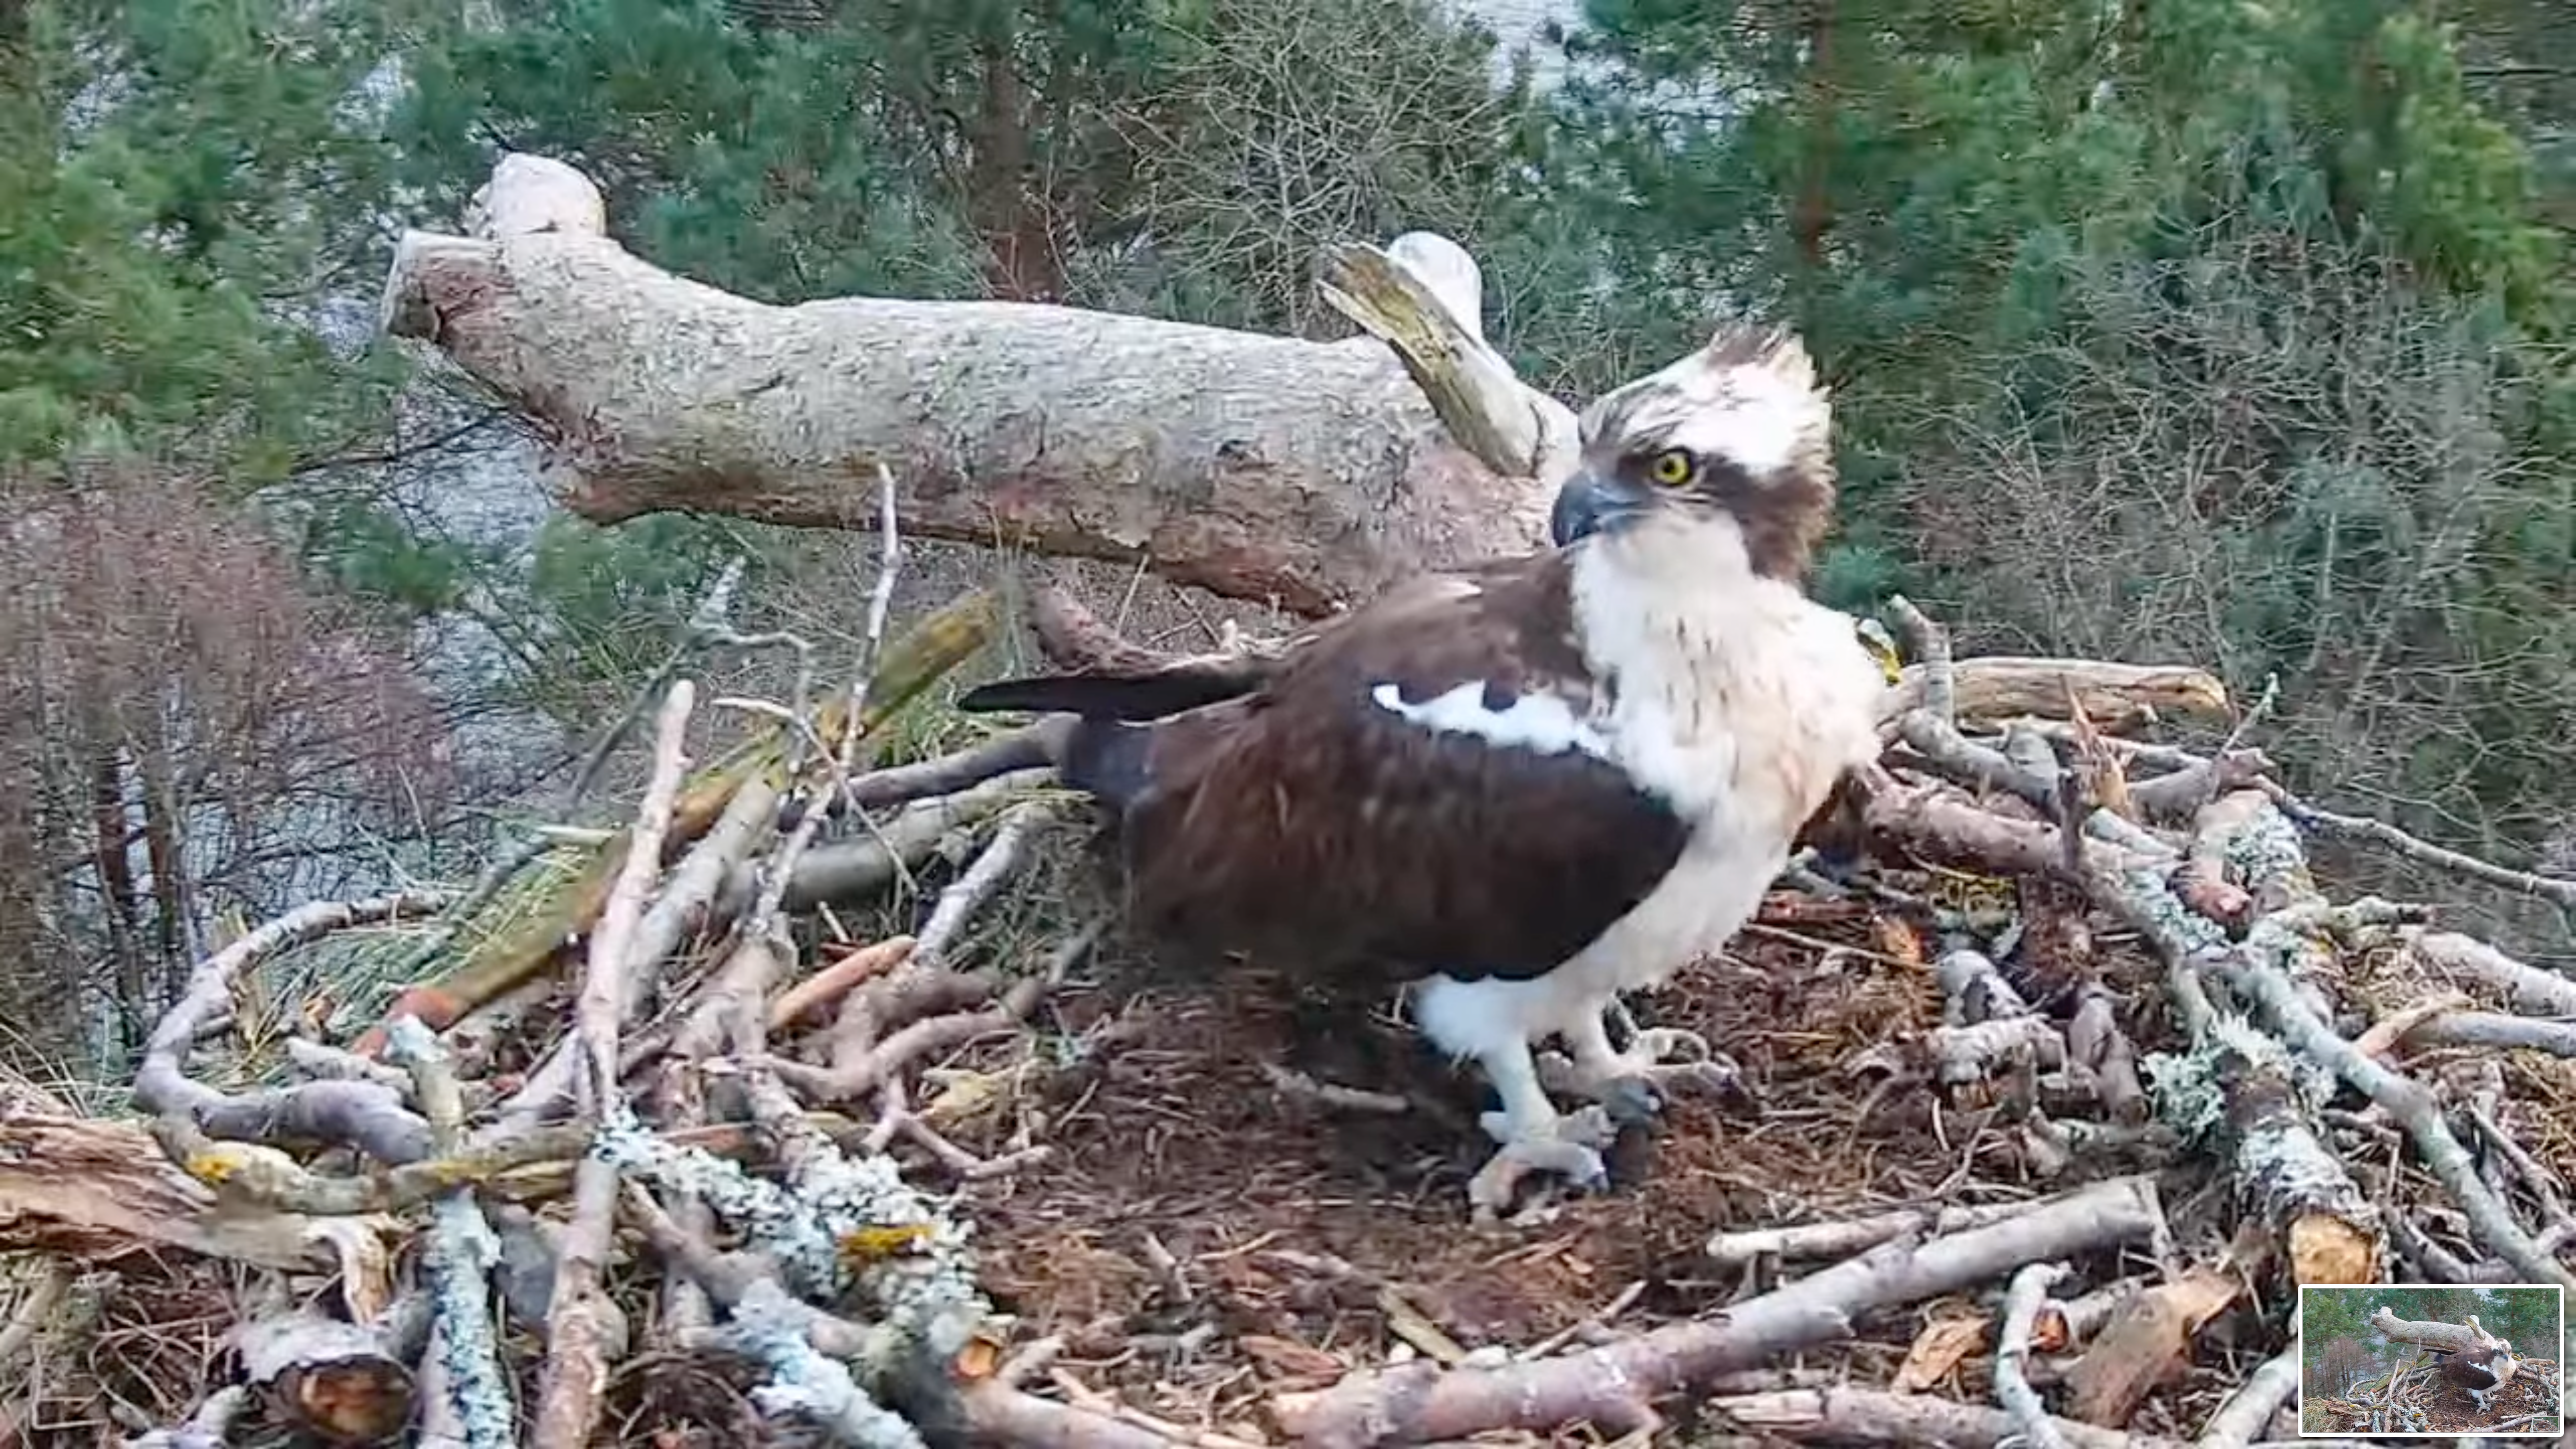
(1104, 754)
(1154, 694)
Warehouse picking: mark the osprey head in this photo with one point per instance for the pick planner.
(1733, 436)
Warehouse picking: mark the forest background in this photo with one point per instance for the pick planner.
(2192, 330)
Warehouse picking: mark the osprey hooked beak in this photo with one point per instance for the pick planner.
(1589, 503)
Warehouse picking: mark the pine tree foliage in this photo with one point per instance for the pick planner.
(2198, 330)
(195, 722)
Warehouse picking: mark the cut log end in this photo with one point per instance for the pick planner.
(365, 1400)
(531, 194)
(328, 1378)
(2326, 1249)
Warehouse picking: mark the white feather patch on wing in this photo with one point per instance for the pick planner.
(1541, 723)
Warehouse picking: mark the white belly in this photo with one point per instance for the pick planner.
(1741, 709)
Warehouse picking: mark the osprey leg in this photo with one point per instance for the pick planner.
(1632, 1083)
(1534, 1136)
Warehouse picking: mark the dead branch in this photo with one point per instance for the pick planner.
(1003, 858)
(868, 862)
(584, 1328)
(1842, 1239)
(363, 1114)
(856, 1075)
(1324, 477)
(1613, 1386)
(833, 984)
(2022, 1300)
(2328, 1225)
(2559, 893)
(1970, 1053)
(1030, 747)
(2491, 1029)
(1424, 297)
(2432, 1333)
(1866, 1416)
(1999, 687)
(1299, 1086)
(474, 1402)
(87, 1190)
(1973, 989)
(2268, 985)
(2240, 1420)
(696, 896)
(2457, 957)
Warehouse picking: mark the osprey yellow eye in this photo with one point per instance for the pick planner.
(1672, 468)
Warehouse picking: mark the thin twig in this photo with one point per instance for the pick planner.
(2560, 893)
(581, 1321)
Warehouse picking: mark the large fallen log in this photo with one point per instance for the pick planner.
(1267, 468)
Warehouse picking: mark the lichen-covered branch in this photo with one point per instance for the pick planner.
(1613, 1386)
(457, 1260)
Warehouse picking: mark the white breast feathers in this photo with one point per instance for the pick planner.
(1735, 697)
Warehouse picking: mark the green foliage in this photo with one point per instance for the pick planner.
(175, 182)
(2202, 330)
(761, 161)
(1271, 130)
(2527, 1318)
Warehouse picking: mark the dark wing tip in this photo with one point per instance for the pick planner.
(1036, 695)
(1093, 696)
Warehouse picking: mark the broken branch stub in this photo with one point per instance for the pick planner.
(1265, 468)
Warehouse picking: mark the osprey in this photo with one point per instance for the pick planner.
(1522, 787)
(2482, 1370)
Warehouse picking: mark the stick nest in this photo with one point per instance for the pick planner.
(822, 1105)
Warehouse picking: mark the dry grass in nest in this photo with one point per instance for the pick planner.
(1187, 1187)
(131, 1344)
(684, 1401)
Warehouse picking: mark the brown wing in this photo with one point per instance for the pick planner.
(1307, 822)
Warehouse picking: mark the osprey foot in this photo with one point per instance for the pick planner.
(1635, 1084)
(1568, 1147)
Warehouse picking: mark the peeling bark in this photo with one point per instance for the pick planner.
(87, 1189)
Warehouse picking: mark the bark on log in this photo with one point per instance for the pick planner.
(2432, 1333)
(1265, 468)
(90, 1189)
(2115, 696)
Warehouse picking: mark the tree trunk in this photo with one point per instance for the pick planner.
(1308, 475)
